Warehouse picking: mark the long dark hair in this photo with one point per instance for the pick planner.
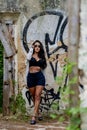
(41, 53)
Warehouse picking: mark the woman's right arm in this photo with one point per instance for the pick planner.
(29, 55)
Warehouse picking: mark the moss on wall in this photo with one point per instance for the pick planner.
(47, 4)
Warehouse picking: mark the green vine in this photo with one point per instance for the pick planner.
(18, 106)
(70, 114)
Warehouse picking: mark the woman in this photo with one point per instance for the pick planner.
(35, 77)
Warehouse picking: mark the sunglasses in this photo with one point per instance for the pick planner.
(37, 46)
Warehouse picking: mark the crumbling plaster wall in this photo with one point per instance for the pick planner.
(83, 42)
(83, 60)
(19, 12)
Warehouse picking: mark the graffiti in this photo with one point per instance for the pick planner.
(52, 39)
(29, 98)
(48, 97)
(58, 36)
(48, 41)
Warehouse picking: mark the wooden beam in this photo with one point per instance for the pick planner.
(7, 41)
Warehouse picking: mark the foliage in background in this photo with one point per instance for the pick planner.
(17, 104)
(1, 76)
(18, 107)
(69, 113)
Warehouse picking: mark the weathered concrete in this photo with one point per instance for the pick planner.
(83, 61)
(15, 14)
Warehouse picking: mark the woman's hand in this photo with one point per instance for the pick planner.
(31, 45)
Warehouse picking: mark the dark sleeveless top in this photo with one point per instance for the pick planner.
(34, 62)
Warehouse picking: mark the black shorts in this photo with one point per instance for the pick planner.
(34, 79)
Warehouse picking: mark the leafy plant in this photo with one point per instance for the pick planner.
(17, 105)
(74, 112)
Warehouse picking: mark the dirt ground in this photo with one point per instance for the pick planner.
(9, 123)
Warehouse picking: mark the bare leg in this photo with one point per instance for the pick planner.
(32, 91)
(37, 98)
